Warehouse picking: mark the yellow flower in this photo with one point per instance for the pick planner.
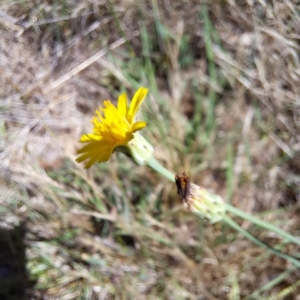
(115, 128)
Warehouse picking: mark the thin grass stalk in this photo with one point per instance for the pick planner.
(284, 293)
(228, 220)
(262, 224)
(269, 285)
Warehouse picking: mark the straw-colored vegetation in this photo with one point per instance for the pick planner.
(223, 105)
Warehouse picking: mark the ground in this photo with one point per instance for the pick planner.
(223, 106)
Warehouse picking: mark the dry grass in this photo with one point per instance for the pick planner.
(224, 106)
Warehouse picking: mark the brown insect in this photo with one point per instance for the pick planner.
(183, 185)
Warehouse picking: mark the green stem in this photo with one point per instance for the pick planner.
(262, 224)
(156, 166)
(259, 243)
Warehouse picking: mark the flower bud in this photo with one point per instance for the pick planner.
(208, 206)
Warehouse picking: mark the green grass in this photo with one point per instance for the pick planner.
(117, 230)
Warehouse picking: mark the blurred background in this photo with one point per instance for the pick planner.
(223, 105)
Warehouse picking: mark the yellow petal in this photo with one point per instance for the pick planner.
(138, 126)
(88, 148)
(110, 111)
(83, 157)
(136, 102)
(101, 157)
(89, 137)
(122, 104)
(90, 162)
(95, 151)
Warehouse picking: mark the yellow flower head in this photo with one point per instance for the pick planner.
(112, 129)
